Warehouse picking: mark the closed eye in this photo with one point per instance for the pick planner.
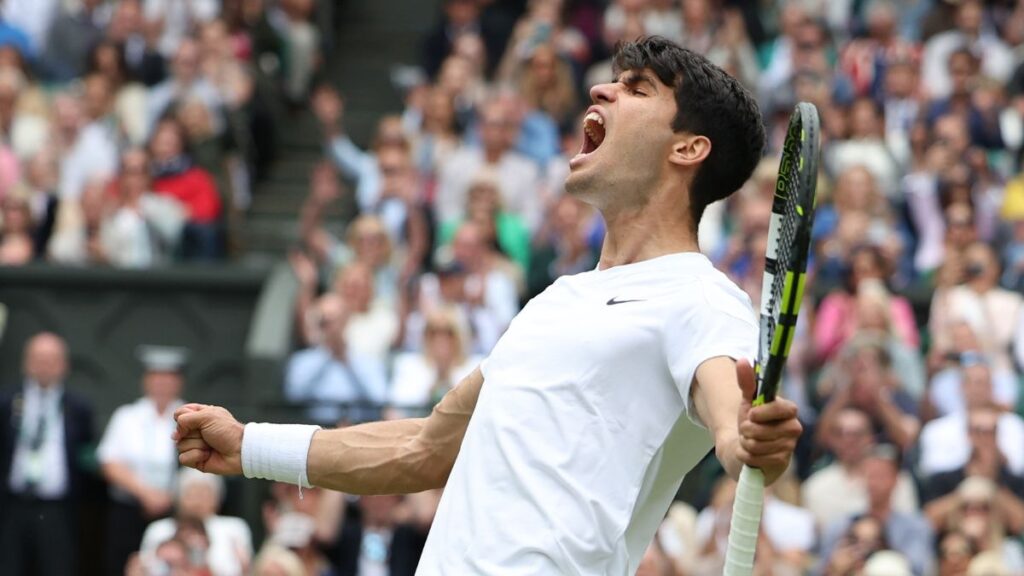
(637, 83)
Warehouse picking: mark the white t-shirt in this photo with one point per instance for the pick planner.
(230, 542)
(140, 438)
(945, 445)
(583, 431)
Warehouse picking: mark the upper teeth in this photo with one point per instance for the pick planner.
(594, 116)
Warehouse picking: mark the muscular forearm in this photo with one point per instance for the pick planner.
(373, 458)
(395, 456)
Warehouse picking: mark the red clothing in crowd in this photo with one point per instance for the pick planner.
(196, 190)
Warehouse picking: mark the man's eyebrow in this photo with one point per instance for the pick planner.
(634, 77)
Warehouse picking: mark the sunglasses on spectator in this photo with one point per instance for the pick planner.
(443, 330)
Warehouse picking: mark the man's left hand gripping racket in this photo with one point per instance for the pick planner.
(782, 289)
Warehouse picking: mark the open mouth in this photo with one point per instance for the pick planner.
(593, 132)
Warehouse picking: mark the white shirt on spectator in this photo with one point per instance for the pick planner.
(371, 333)
(33, 17)
(946, 394)
(130, 236)
(48, 466)
(93, 155)
(819, 491)
(230, 542)
(997, 61)
(945, 445)
(414, 377)
(789, 528)
(486, 322)
(170, 91)
(519, 178)
(873, 155)
(179, 19)
(140, 438)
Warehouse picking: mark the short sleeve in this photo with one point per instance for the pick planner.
(719, 321)
(111, 447)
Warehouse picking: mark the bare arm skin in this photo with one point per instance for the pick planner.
(761, 437)
(395, 456)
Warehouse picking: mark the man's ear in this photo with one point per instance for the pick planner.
(690, 150)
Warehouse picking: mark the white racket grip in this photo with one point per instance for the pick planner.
(746, 521)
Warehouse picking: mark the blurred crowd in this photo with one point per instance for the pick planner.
(130, 131)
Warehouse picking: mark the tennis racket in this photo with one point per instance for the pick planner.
(782, 289)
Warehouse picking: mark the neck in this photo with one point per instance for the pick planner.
(493, 155)
(657, 228)
(879, 510)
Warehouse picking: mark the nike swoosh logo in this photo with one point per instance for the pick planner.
(613, 301)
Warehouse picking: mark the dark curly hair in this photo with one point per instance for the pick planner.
(709, 102)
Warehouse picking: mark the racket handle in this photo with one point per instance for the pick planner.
(746, 521)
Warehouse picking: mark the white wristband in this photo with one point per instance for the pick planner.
(277, 452)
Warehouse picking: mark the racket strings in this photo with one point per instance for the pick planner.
(788, 225)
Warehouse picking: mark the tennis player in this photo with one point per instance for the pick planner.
(562, 452)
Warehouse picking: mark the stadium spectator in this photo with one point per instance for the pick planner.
(851, 442)
(970, 31)
(420, 379)
(986, 461)
(546, 84)
(146, 227)
(462, 18)
(329, 373)
(82, 232)
(136, 41)
(129, 96)
(840, 314)
(520, 178)
(301, 41)
(505, 233)
(468, 279)
(944, 443)
(561, 245)
(433, 125)
(16, 231)
(945, 390)
(87, 147)
(385, 182)
(175, 175)
(992, 311)
(137, 455)
(76, 28)
(223, 543)
(866, 60)
(848, 543)
(788, 532)
(186, 81)
(986, 515)
(275, 560)
(40, 187)
(45, 429)
(863, 378)
(308, 524)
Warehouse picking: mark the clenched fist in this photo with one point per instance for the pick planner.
(209, 439)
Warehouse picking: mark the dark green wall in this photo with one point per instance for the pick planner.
(106, 314)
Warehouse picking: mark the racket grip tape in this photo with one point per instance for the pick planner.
(746, 521)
